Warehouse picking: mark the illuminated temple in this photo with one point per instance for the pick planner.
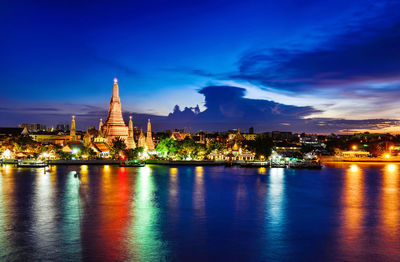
(114, 126)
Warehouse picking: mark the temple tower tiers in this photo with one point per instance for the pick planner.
(72, 132)
(149, 137)
(142, 140)
(131, 141)
(115, 126)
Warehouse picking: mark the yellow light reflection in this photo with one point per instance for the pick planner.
(199, 170)
(173, 171)
(262, 170)
(198, 193)
(84, 169)
(7, 169)
(173, 197)
(390, 202)
(353, 210)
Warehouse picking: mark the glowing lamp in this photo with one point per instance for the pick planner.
(387, 156)
(354, 147)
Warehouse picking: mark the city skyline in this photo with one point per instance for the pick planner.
(333, 67)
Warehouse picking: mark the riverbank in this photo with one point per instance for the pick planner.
(185, 162)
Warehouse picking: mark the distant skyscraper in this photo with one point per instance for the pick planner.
(62, 127)
(33, 127)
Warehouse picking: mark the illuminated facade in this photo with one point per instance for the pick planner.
(115, 126)
(149, 137)
(72, 133)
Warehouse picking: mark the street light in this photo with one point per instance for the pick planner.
(354, 147)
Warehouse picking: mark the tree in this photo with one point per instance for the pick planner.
(213, 145)
(262, 146)
(118, 146)
(188, 146)
(134, 153)
(168, 147)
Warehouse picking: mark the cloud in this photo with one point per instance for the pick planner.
(360, 54)
(226, 108)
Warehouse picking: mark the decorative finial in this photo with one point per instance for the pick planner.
(101, 119)
(115, 80)
(130, 117)
(73, 117)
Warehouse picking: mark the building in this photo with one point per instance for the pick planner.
(62, 128)
(114, 125)
(33, 127)
(149, 137)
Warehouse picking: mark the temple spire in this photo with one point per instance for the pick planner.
(115, 93)
(72, 133)
(131, 141)
(114, 126)
(100, 124)
(149, 137)
(142, 140)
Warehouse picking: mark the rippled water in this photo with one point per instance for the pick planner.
(345, 212)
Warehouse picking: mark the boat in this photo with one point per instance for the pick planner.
(133, 163)
(31, 163)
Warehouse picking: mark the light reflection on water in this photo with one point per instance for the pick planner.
(347, 212)
(353, 199)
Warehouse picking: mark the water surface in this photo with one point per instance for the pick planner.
(347, 212)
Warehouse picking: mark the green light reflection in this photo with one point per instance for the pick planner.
(146, 232)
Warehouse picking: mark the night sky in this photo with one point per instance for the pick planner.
(313, 66)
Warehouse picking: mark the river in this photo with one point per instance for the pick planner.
(344, 212)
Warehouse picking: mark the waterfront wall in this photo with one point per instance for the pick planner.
(84, 162)
(185, 162)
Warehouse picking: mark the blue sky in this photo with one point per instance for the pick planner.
(340, 58)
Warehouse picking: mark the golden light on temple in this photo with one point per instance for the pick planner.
(387, 155)
(354, 147)
(115, 80)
